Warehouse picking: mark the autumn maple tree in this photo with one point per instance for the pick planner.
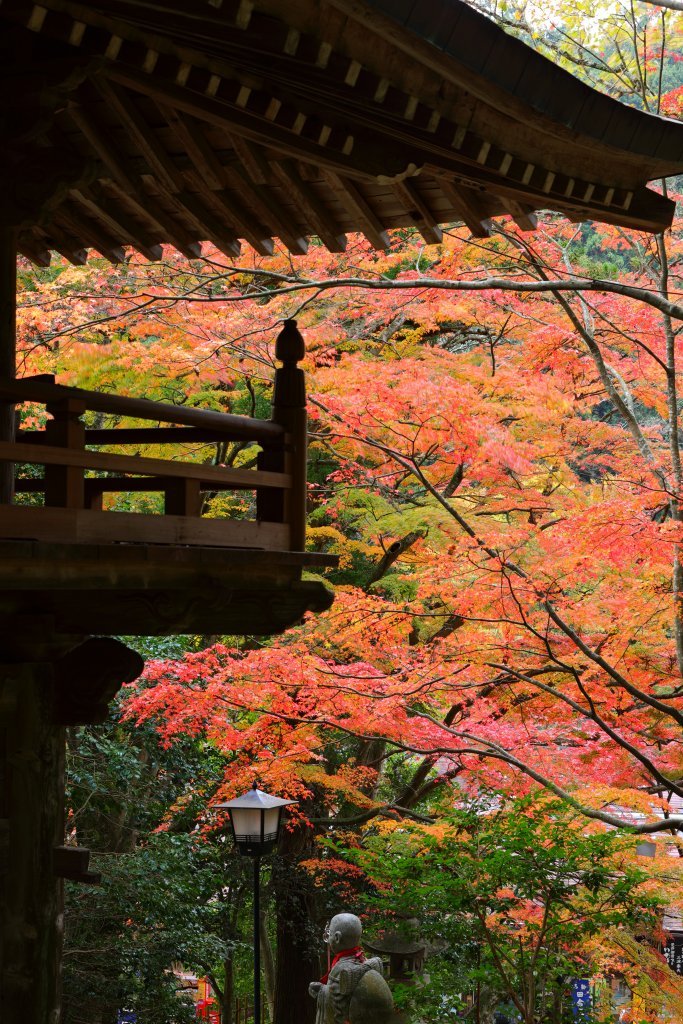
(498, 475)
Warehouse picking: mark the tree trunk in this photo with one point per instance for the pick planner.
(557, 1005)
(297, 962)
(228, 999)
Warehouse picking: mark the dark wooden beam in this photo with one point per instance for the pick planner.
(249, 609)
(35, 180)
(465, 209)
(208, 225)
(371, 225)
(203, 158)
(90, 127)
(259, 129)
(67, 245)
(253, 159)
(252, 231)
(95, 487)
(312, 208)
(79, 257)
(118, 222)
(89, 677)
(161, 163)
(34, 252)
(169, 227)
(72, 862)
(42, 389)
(524, 216)
(31, 922)
(142, 435)
(37, 86)
(270, 212)
(90, 232)
(417, 209)
(144, 207)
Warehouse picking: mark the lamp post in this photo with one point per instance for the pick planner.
(255, 819)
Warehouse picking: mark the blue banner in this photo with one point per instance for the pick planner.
(581, 998)
(127, 1017)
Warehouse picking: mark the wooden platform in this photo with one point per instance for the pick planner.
(145, 590)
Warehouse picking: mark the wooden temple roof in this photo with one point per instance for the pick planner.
(144, 122)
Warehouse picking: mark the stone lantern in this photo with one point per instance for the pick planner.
(404, 949)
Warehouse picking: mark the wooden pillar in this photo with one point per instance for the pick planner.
(47, 681)
(32, 756)
(289, 410)
(8, 343)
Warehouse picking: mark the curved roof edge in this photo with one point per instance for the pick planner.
(477, 44)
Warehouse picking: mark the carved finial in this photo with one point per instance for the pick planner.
(290, 347)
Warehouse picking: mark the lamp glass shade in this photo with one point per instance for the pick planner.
(255, 820)
(246, 823)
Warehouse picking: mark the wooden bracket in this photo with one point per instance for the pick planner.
(72, 862)
(88, 677)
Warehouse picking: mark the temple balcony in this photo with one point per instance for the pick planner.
(92, 570)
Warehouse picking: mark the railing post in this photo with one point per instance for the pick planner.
(182, 498)
(64, 484)
(289, 410)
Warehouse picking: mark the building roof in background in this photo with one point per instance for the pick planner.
(143, 122)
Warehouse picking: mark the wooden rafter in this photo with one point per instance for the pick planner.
(418, 210)
(524, 216)
(370, 224)
(202, 157)
(117, 222)
(312, 208)
(270, 211)
(248, 228)
(93, 234)
(169, 227)
(207, 224)
(160, 162)
(88, 125)
(465, 209)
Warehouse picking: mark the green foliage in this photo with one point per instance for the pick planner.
(162, 646)
(164, 896)
(169, 902)
(528, 892)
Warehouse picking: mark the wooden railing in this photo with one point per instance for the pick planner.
(78, 472)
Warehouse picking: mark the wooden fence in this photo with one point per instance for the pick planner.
(80, 470)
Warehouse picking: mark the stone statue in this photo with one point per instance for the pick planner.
(353, 991)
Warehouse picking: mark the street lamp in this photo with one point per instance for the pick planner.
(255, 819)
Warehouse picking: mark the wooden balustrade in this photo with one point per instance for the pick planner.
(78, 472)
